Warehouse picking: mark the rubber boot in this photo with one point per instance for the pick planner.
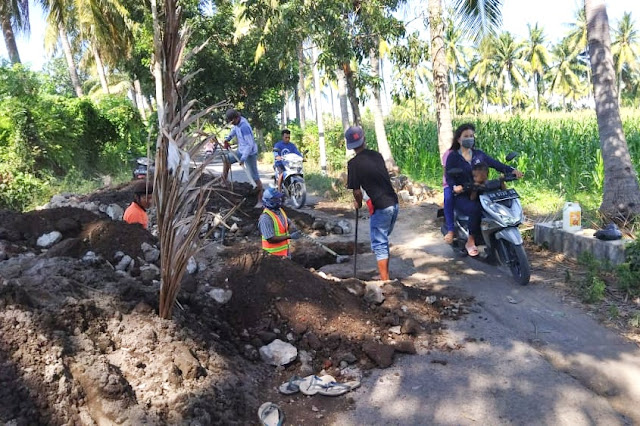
(383, 268)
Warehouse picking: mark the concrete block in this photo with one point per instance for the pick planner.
(574, 243)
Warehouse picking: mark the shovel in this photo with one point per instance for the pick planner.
(339, 257)
(355, 246)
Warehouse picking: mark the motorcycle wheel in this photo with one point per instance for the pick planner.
(297, 193)
(518, 263)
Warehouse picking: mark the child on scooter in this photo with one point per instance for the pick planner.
(480, 174)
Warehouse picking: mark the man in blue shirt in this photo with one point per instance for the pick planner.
(247, 150)
(281, 148)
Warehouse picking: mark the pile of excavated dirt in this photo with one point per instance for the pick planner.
(80, 342)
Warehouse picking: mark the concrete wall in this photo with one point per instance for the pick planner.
(574, 243)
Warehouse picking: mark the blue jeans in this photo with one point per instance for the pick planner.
(380, 227)
(448, 208)
(251, 162)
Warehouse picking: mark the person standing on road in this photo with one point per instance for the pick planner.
(274, 224)
(142, 199)
(367, 171)
(247, 152)
(280, 149)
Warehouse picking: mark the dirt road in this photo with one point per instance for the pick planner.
(524, 355)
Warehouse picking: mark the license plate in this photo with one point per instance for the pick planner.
(501, 195)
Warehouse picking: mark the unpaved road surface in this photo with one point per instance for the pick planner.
(524, 355)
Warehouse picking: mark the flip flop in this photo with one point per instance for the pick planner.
(312, 384)
(270, 414)
(337, 389)
(448, 238)
(472, 250)
(291, 387)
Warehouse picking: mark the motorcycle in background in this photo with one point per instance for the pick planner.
(293, 185)
(143, 166)
(501, 215)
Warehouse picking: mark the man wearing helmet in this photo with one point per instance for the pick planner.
(142, 199)
(274, 224)
(247, 149)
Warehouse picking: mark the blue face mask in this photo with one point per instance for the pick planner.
(467, 142)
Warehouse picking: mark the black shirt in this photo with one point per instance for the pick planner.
(367, 170)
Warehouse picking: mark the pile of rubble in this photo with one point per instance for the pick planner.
(411, 192)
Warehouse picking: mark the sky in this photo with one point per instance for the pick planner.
(553, 15)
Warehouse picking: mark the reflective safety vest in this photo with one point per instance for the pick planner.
(281, 248)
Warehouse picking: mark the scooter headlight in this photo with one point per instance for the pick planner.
(295, 164)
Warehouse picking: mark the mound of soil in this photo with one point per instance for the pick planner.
(81, 230)
(83, 344)
(276, 298)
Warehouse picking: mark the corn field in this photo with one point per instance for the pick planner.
(558, 152)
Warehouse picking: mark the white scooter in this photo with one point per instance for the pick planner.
(293, 184)
(501, 216)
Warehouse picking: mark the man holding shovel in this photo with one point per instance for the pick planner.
(247, 152)
(367, 171)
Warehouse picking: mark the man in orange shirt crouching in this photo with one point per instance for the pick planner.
(142, 199)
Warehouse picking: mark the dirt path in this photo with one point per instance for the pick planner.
(524, 354)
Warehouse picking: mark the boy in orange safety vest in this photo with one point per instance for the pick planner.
(274, 224)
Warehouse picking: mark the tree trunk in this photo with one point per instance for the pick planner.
(441, 87)
(100, 68)
(376, 109)
(318, 90)
(296, 97)
(333, 107)
(453, 92)
(71, 64)
(137, 90)
(351, 94)
(621, 192)
(158, 63)
(301, 92)
(536, 79)
(260, 139)
(9, 38)
(342, 95)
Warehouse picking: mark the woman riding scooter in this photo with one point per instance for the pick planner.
(464, 155)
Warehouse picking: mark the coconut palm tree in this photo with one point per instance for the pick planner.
(482, 71)
(509, 65)
(105, 27)
(14, 16)
(476, 17)
(577, 36)
(455, 56)
(625, 48)
(566, 79)
(57, 31)
(538, 57)
(621, 192)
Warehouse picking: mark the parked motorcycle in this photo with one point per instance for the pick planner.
(143, 166)
(501, 215)
(293, 184)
